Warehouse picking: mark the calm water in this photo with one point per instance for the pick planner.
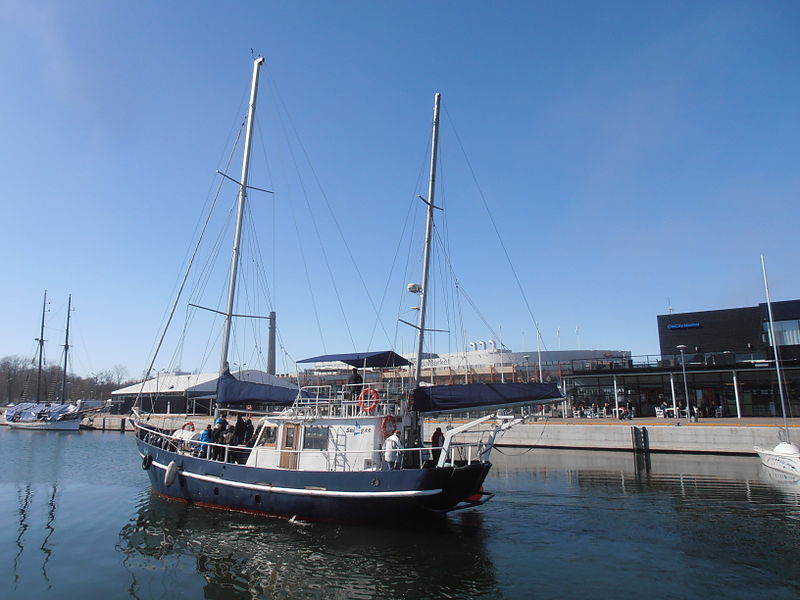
(77, 518)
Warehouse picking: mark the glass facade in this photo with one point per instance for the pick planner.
(712, 392)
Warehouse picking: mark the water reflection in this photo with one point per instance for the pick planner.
(239, 556)
(25, 500)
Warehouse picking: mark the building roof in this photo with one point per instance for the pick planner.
(194, 383)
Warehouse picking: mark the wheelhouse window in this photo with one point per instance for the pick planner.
(268, 436)
(315, 438)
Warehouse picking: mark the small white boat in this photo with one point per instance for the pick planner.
(784, 457)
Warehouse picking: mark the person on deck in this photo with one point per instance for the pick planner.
(248, 431)
(437, 440)
(391, 451)
(239, 430)
(206, 437)
(354, 383)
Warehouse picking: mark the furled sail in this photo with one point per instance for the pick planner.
(441, 398)
(232, 391)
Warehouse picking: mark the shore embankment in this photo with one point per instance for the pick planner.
(707, 436)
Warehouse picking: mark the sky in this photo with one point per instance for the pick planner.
(599, 163)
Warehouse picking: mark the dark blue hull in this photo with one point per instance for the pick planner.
(356, 496)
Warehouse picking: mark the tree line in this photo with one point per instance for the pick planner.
(19, 382)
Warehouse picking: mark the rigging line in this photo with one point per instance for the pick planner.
(319, 237)
(389, 278)
(336, 222)
(308, 276)
(211, 204)
(460, 289)
(496, 230)
(271, 84)
(258, 267)
(204, 276)
(415, 215)
(184, 280)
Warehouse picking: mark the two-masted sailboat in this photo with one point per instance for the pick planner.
(42, 415)
(326, 454)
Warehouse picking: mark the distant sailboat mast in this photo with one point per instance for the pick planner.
(66, 352)
(226, 336)
(41, 353)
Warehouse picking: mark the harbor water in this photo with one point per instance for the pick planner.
(78, 519)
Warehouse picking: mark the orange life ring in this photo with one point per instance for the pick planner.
(388, 426)
(188, 424)
(368, 407)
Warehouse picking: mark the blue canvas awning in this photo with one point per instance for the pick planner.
(444, 398)
(383, 359)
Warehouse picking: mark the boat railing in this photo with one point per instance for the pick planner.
(372, 399)
(181, 441)
(374, 459)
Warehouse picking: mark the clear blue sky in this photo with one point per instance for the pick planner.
(631, 152)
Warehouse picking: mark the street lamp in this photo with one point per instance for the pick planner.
(681, 348)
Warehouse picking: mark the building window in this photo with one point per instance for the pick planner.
(787, 333)
(315, 438)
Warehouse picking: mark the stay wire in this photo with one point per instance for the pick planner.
(496, 230)
(314, 224)
(181, 287)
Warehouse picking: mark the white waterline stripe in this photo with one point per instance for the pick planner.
(303, 492)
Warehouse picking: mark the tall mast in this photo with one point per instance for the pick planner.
(41, 352)
(66, 352)
(775, 351)
(428, 235)
(239, 217)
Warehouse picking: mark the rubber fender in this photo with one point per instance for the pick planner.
(172, 471)
(147, 460)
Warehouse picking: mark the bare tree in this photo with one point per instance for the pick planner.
(120, 374)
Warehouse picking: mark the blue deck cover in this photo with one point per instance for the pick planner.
(232, 391)
(441, 398)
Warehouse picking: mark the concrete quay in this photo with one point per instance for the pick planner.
(708, 436)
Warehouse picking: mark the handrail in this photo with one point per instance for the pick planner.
(464, 450)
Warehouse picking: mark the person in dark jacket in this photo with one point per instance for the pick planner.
(354, 383)
(239, 430)
(248, 432)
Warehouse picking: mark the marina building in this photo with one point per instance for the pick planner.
(717, 362)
